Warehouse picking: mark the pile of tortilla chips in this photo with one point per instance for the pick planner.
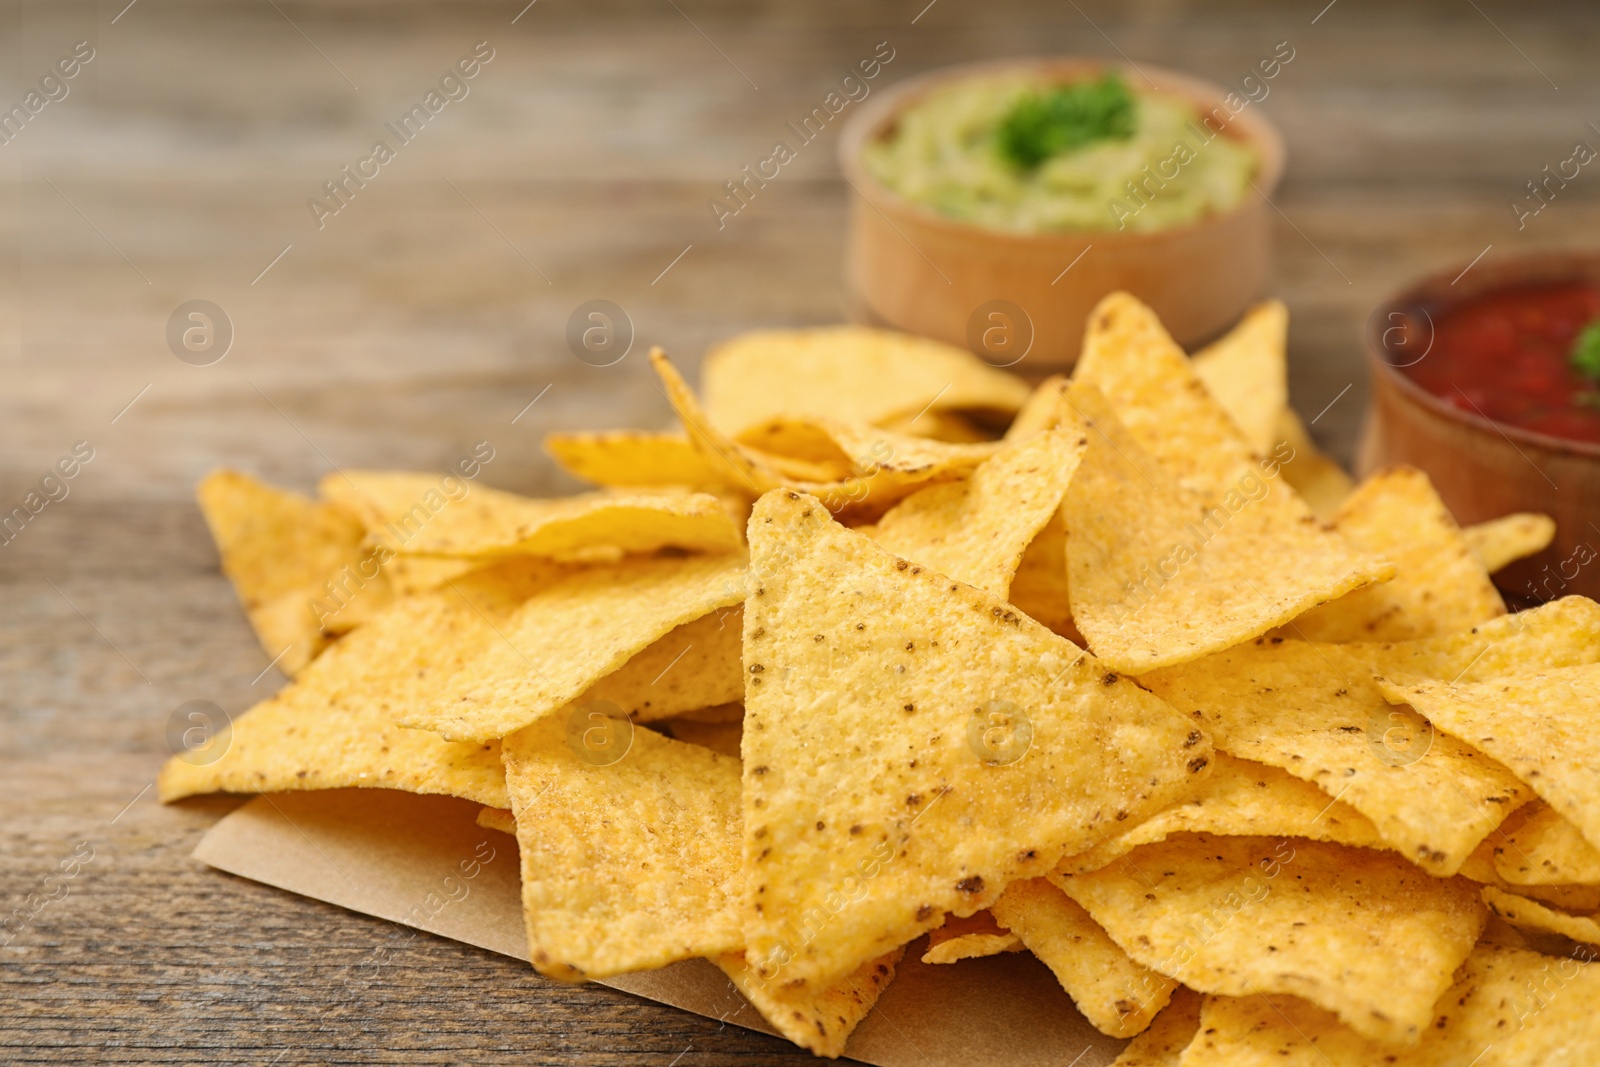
(1254, 760)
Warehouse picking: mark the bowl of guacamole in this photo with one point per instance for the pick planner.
(1038, 186)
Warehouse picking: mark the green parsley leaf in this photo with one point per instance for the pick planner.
(1586, 351)
(1070, 116)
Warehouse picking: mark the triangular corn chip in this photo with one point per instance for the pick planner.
(1542, 726)
(1319, 715)
(627, 865)
(1318, 480)
(333, 727)
(819, 1021)
(1562, 633)
(1158, 577)
(1241, 799)
(1360, 933)
(1042, 410)
(969, 938)
(695, 665)
(912, 745)
(570, 635)
(1040, 585)
(1440, 585)
(498, 819)
(1500, 542)
(630, 458)
(1546, 849)
(1118, 996)
(297, 565)
(846, 372)
(1507, 1008)
(950, 426)
(1163, 1043)
(977, 529)
(1526, 914)
(1247, 371)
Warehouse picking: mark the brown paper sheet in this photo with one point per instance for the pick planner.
(424, 862)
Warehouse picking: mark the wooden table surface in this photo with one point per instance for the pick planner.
(430, 311)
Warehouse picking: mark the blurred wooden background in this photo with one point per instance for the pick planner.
(431, 310)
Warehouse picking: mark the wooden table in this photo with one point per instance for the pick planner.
(430, 312)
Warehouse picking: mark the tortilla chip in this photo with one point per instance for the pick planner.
(695, 665)
(1546, 849)
(1541, 726)
(878, 766)
(1158, 577)
(1040, 586)
(972, 937)
(409, 514)
(1319, 481)
(1527, 914)
(1500, 542)
(723, 737)
(1163, 1043)
(1562, 633)
(976, 530)
(334, 726)
(498, 819)
(630, 458)
(1361, 933)
(1507, 1008)
(821, 1022)
(1440, 585)
(298, 566)
(1317, 713)
(1042, 410)
(949, 426)
(1118, 996)
(1241, 799)
(1247, 371)
(628, 866)
(846, 372)
(570, 635)
(1581, 899)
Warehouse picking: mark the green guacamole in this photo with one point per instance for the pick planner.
(1025, 156)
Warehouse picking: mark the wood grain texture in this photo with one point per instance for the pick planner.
(426, 315)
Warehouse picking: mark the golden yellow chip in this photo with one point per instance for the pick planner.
(821, 1022)
(969, 938)
(498, 819)
(951, 426)
(1241, 799)
(1040, 585)
(571, 634)
(1319, 481)
(1041, 411)
(1159, 577)
(1501, 542)
(1527, 914)
(977, 529)
(1118, 996)
(1163, 1043)
(723, 737)
(1541, 726)
(912, 745)
(1579, 899)
(1507, 1008)
(1361, 933)
(1440, 586)
(629, 844)
(847, 372)
(1318, 714)
(1247, 371)
(1562, 633)
(1546, 849)
(630, 458)
(693, 667)
(483, 522)
(298, 566)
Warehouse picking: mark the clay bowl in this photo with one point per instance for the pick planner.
(1484, 469)
(910, 268)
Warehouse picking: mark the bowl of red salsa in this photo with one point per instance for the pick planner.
(1488, 377)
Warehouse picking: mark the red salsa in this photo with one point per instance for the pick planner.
(1508, 355)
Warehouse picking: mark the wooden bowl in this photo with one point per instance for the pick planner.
(909, 268)
(1484, 469)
